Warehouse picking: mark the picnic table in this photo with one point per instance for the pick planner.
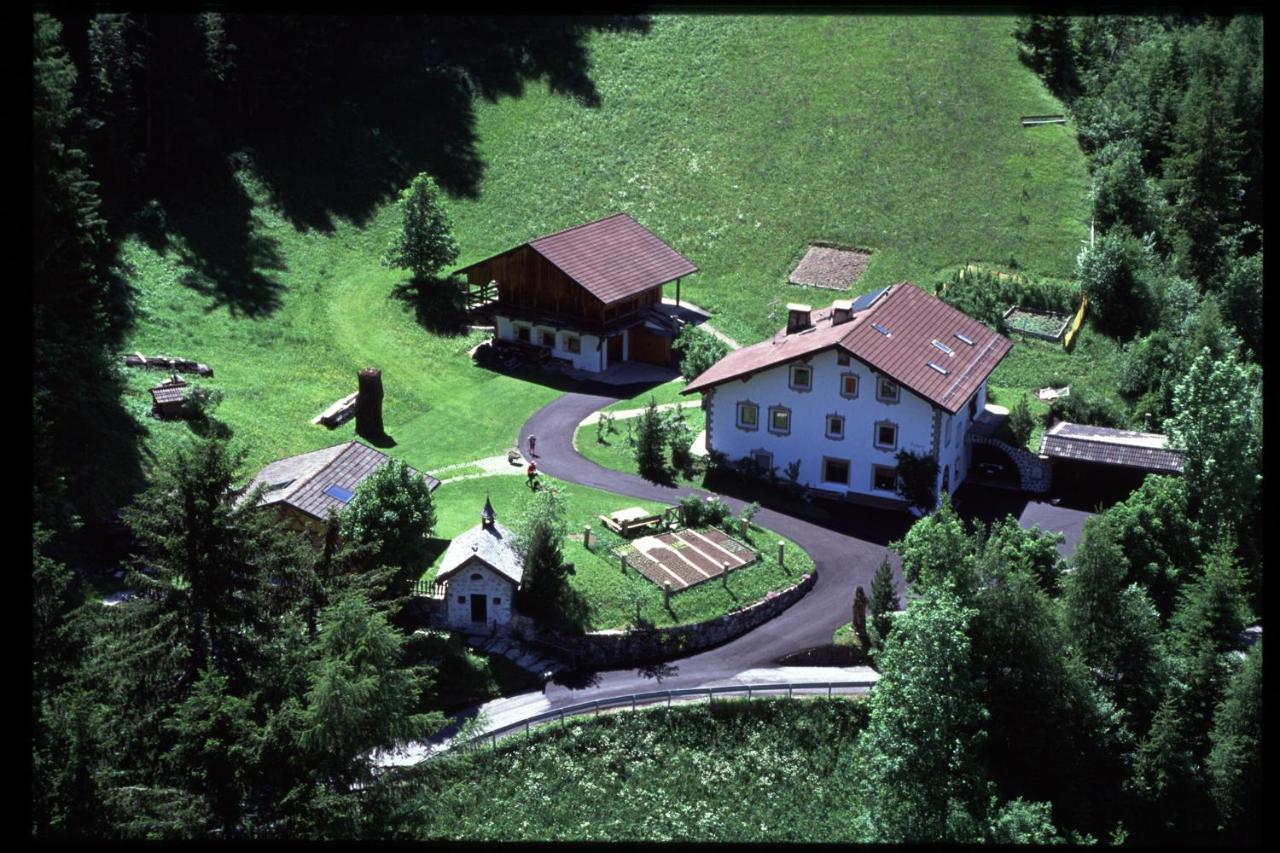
(627, 522)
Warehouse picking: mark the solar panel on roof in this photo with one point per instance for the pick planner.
(940, 345)
(337, 492)
(868, 300)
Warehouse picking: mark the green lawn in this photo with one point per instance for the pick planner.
(611, 597)
(736, 138)
(615, 453)
(768, 770)
(667, 392)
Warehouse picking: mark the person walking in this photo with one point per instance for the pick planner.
(533, 474)
(533, 442)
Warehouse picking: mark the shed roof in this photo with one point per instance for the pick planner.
(1148, 451)
(894, 334)
(494, 546)
(613, 258)
(313, 482)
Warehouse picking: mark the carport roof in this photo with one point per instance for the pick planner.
(1148, 451)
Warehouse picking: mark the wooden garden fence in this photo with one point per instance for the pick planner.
(1070, 338)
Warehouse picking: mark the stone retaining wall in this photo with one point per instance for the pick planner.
(619, 648)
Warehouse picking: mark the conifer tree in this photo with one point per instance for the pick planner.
(650, 442)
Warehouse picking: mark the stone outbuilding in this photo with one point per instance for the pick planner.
(481, 573)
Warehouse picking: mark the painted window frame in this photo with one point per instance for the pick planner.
(897, 390)
(548, 339)
(779, 410)
(875, 435)
(843, 359)
(848, 470)
(791, 377)
(522, 332)
(757, 453)
(827, 426)
(746, 404)
(573, 344)
(877, 470)
(857, 385)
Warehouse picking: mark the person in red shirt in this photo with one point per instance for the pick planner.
(533, 474)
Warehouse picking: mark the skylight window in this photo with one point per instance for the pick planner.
(881, 329)
(940, 345)
(338, 493)
(939, 368)
(963, 339)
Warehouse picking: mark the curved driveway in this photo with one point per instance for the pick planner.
(843, 560)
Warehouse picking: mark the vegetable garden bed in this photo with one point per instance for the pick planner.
(1045, 325)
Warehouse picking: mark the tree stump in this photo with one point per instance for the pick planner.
(369, 404)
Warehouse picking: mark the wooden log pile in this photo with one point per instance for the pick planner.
(164, 362)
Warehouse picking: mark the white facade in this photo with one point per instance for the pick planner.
(592, 352)
(476, 580)
(842, 430)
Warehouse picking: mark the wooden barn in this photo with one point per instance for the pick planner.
(588, 295)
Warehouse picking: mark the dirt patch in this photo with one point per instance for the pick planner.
(829, 267)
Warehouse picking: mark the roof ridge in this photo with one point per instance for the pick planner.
(579, 225)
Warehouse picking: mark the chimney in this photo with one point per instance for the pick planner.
(841, 311)
(798, 317)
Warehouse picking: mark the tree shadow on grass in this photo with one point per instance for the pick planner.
(439, 304)
(229, 261)
(336, 114)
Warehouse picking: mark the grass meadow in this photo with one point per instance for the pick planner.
(736, 138)
(767, 770)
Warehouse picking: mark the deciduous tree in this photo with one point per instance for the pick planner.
(425, 241)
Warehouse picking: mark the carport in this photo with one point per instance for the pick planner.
(1105, 460)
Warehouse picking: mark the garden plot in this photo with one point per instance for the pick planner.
(829, 267)
(1045, 325)
(687, 557)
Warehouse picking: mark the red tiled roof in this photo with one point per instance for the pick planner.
(613, 258)
(1148, 451)
(913, 320)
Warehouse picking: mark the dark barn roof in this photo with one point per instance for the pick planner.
(613, 258)
(1147, 451)
(316, 483)
(894, 334)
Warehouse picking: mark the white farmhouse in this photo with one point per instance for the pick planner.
(843, 389)
(481, 573)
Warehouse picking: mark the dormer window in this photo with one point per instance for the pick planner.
(801, 377)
